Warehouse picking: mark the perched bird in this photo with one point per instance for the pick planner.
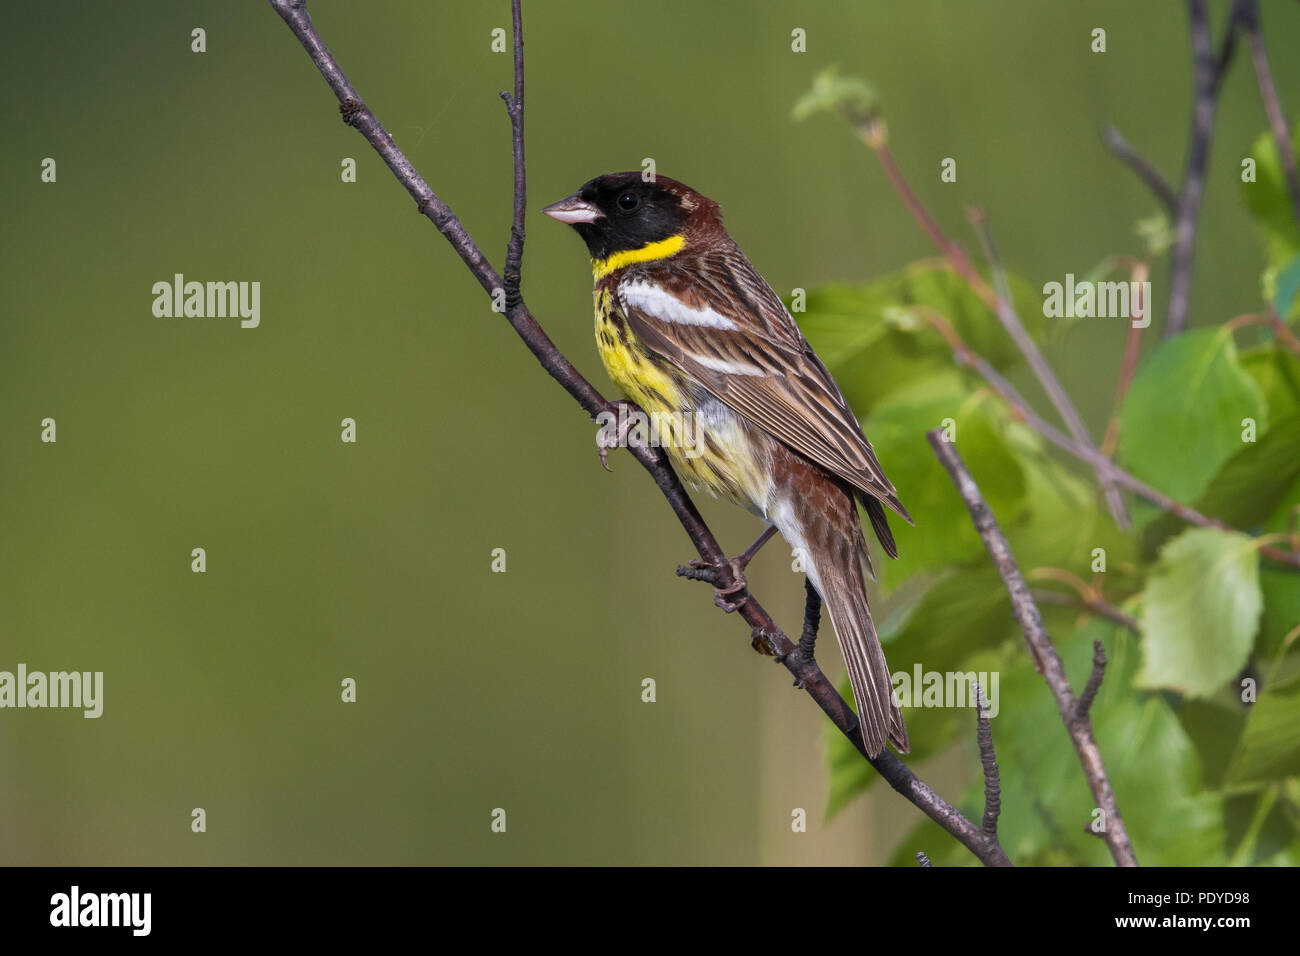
(690, 332)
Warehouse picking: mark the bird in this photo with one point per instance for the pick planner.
(692, 334)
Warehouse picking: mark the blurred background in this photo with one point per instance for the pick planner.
(325, 560)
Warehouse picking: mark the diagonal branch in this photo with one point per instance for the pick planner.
(1077, 722)
(764, 631)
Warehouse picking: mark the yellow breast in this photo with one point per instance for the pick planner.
(712, 448)
(650, 385)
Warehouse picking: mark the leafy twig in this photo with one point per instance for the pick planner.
(872, 132)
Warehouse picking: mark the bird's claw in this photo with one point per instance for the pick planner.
(722, 596)
(606, 441)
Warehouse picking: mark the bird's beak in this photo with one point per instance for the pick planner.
(573, 210)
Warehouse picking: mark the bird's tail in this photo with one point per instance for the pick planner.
(835, 552)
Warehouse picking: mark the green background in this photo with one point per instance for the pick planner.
(328, 560)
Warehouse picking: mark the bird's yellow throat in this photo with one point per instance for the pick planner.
(647, 253)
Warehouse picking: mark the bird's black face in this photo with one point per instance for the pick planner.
(619, 212)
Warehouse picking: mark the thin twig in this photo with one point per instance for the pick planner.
(1089, 695)
(923, 860)
(1091, 605)
(515, 107)
(763, 629)
(1040, 647)
(1249, 17)
(873, 134)
(1119, 146)
(988, 761)
(1268, 320)
(1132, 350)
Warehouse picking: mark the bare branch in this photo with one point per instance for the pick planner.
(764, 632)
(923, 860)
(989, 762)
(1084, 706)
(1040, 648)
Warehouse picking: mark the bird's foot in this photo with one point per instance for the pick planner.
(615, 423)
(722, 596)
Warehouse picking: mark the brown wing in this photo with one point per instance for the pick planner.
(717, 319)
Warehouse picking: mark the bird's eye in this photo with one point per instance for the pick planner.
(628, 201)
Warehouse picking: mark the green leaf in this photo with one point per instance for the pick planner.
(1257, 826)
(1065, 521)
(1270, 745)
(1269, 203)
(1277, 373)
(1251, 484)
(1200, 612)
(1255, 480)
(1215, 728)
(1182, 417)
(1281, 589)
(1280, 584)
(843, 320)
(1156, 233)
(945, 533)
(1286, 284)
